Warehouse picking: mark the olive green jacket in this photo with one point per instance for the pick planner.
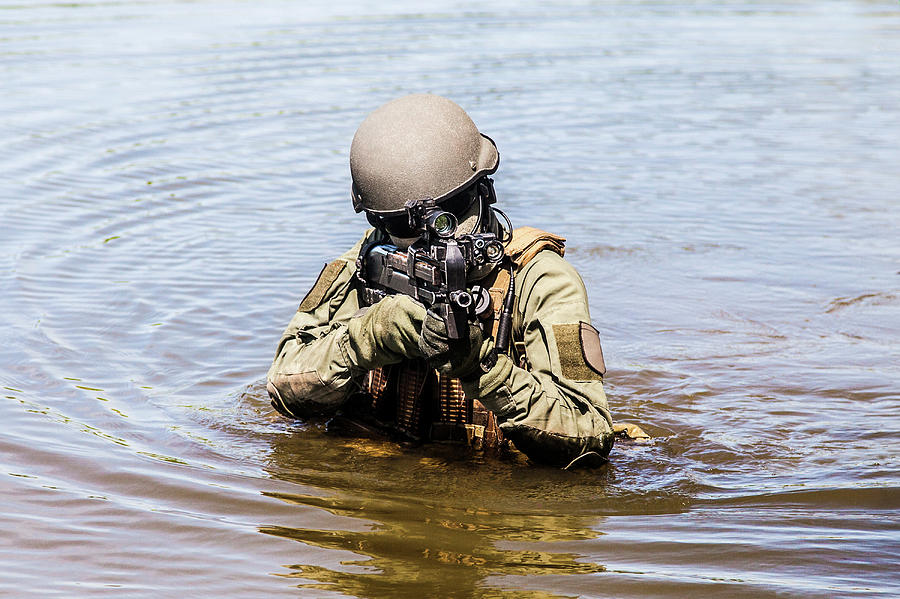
(554, 410)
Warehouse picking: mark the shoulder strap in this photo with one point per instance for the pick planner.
(526, 243)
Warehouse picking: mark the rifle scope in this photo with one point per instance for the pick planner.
(443, 224)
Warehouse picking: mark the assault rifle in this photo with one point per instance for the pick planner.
(434, 269)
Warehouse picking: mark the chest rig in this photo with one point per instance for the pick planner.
(419, 403)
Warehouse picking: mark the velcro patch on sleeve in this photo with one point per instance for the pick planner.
(580, 353)
(315, 295)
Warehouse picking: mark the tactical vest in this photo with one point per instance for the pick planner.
(420, 403)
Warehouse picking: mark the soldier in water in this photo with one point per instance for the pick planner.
(395, 364)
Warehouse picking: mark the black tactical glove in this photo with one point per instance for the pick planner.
(454, 357)
(387, 333)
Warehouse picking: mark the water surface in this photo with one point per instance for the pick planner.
(175, 174)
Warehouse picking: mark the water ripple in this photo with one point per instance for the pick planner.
(176, 175)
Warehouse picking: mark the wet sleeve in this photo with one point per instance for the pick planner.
(312, 372)
(556, 411)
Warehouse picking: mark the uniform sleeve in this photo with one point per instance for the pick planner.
(556, 411)
(312, 372)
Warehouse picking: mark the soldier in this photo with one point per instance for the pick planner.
(394, 363)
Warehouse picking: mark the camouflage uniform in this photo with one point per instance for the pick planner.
(550, 402)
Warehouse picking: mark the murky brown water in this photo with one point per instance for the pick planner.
(174, 175)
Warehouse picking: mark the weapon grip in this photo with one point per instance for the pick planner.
(457, 323)
(456, 316)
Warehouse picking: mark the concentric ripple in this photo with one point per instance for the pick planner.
(175, 175)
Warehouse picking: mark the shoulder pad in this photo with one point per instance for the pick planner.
(580, 353)
(323, 283)
(528, 241)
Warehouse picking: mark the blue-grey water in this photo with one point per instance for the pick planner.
(174, 174)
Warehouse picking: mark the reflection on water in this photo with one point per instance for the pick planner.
(428, 522)
(432, 550)
(175, 175)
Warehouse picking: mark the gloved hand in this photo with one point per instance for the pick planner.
(387, 333)
(454, 357)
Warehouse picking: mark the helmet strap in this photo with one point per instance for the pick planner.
(486, 189)
(489, 218)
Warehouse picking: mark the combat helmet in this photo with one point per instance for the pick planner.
(413, 148)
